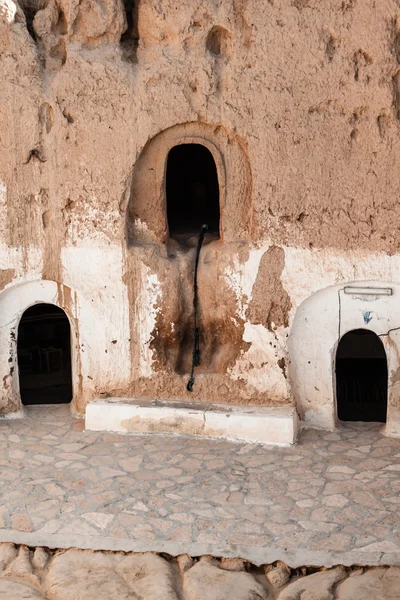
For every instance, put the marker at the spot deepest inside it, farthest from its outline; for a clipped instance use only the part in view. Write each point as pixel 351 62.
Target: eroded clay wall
pixel 309 92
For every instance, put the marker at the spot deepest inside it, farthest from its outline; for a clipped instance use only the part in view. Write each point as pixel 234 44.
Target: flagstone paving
pixel 334 494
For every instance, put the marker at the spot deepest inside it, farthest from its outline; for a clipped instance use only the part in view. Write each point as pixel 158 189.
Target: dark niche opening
pixel 44 355
pixel 30 8
pixel 192 191
pixel 130 37
pixel 361 377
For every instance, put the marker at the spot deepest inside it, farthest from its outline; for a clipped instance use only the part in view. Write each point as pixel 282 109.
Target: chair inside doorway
pixel 44 355
pixel 361 377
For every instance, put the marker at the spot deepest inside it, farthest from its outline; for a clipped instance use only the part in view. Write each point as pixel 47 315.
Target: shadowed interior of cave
pixel 192 191
pixel 361 377
pixel 44 355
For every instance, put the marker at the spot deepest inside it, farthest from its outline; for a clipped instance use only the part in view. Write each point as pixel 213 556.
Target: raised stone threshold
pixel 277 425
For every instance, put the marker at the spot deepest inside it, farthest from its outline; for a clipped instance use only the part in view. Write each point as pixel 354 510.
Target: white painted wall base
pixel 257 424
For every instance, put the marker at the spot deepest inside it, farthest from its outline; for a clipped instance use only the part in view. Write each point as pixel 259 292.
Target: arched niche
pixel 192 191
pixel 147 209
pixel 44 355
pixel 361 375
pixel 320 323
pixel 14 301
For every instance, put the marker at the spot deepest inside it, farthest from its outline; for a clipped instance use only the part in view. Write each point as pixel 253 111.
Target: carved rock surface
pixel 98 576
pixel 318 586
pixel 18 591
pixel 22 568
pixel 85 575
pixel 98 21
pixel 279 575
pixel 42 574
pixel 205 581
pixel 89 22
pixel 377 583
pixel 149 576
pixel 7 554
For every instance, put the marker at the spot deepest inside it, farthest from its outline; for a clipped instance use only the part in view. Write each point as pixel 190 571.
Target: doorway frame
pixel 319 323
pixel 14 301
pixel 146 216
pixel 219 167
pixel 71 337
pixel 219 170
pixel 335 376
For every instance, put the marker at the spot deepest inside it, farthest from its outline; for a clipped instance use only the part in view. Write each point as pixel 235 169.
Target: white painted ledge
pixel 276 425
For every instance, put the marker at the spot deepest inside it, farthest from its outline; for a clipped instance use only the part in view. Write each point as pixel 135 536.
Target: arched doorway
pixel 44 355
pixel 361 377
pixel 192 191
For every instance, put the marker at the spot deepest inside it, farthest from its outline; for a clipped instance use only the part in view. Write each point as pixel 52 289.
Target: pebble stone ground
pixel 333 495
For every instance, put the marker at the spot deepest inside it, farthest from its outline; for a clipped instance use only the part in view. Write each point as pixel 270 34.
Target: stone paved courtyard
pixel 332 499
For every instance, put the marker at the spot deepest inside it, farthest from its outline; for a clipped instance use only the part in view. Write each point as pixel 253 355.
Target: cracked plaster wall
pixel 310 92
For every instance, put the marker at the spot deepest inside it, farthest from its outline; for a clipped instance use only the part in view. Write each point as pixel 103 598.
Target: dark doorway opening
pixel 44 355
pixel 361 377
pixel 192 190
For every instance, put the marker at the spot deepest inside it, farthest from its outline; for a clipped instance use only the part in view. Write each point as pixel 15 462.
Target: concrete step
pixel 276 425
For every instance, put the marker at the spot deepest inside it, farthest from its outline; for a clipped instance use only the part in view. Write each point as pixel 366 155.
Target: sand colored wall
pixel 298 102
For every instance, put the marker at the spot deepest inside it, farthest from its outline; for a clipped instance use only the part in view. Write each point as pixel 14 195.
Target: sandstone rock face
pixel 149 576
pixel 232 564
pixel 185 562
pixel 144 576
pixel 319 586
pixel 8 553
pixel 375 583
pixel 278 575
pixel 86 575
pixel 96 570
pixel 12 589
pixel 207 581
pixel 298 104
pixel 21 568
pixel 89 22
